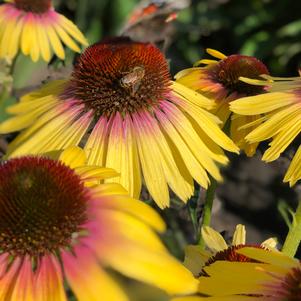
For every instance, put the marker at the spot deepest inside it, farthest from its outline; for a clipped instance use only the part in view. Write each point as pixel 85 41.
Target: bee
pixel 132 79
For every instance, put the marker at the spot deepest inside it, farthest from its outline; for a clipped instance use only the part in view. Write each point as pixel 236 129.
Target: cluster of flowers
pixel 70 180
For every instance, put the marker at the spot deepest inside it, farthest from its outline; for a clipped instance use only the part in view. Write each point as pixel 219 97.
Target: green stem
pixel 293 237
pixel 208 208
pixel 192 207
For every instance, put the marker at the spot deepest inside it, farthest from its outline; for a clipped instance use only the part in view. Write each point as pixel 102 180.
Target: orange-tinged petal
pixel 48 280
pixel 8 280
pixel 24 287
pixel 87 280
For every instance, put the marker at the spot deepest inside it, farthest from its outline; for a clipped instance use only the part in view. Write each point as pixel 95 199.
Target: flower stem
pixel 208 208
pixel 293 237
pixel 192 206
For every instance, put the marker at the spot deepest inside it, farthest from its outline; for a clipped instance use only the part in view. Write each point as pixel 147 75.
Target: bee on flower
pixel 122 106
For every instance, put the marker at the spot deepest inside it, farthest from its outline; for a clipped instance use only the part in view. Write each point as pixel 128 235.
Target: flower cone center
pixel 119 75
pixel 230 69
pixel 34 6
pixel 230 254
pixel 42 204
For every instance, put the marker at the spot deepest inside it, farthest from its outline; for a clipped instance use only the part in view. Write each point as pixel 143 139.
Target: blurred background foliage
pixel 267 29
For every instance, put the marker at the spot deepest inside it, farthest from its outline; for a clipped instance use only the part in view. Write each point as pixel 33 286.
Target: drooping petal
pixel 253 105
pixel 293 173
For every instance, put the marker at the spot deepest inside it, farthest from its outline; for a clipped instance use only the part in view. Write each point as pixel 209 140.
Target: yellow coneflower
pixel 34 27
pixel 281 121
pixel 219 80
pixel 199 261
pixel 218 249
pixel 122 106
pixel 271 276
pixel 56 224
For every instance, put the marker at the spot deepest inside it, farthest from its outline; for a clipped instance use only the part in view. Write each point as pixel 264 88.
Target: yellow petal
pixel 185 157
pixel 27 35
pixel 211 128
pixel 23 121
pixel 204 62
pixel 191 96
pixel 199 149
pixel 195 259
pixel 293 173
pixel 156 268
pixel 239 237
pixel 109 189
pixel 270 243
pixel 274 123
pixel 129 230
pixel 65 38
pixel 35 42
pixel 122 155
pixel 44 42
pixel 72 29
pixel 73 157
pixel 11 38
pixel 213 240
pixel 55 42
pixel 283 139
pixel 95 147
pixel 216 53
pixel 132 206
pixel 227 278
pixel 53 88
pixel 271 257
pixel 95 173
pixel 263 103
pixel 151 166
